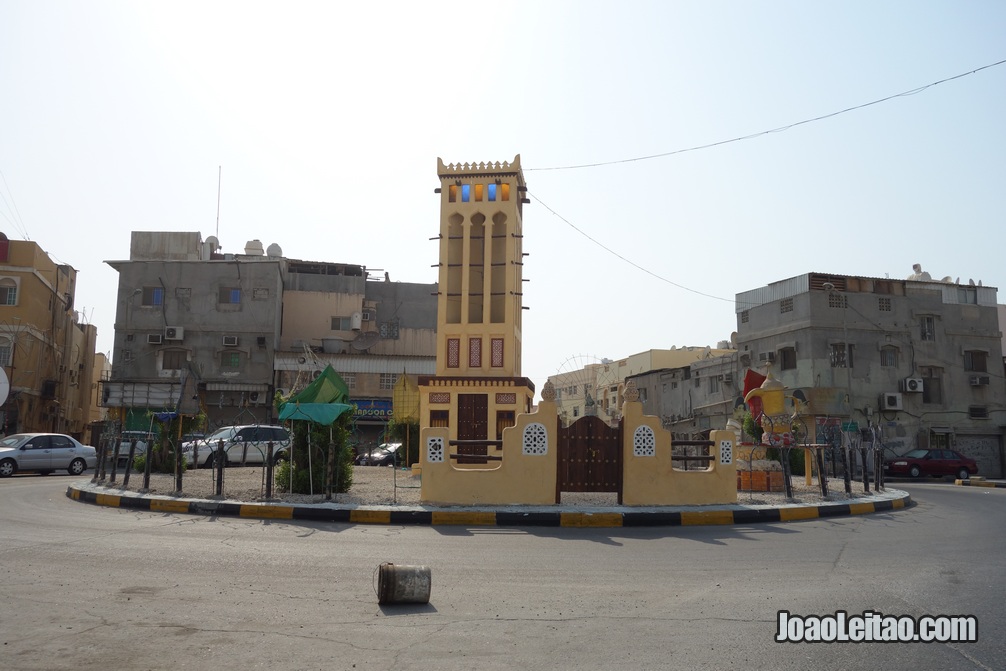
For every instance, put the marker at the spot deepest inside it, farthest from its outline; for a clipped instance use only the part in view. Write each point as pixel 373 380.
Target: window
pixel 342 323
pixel 932 388
pixel 978 412
pixel 496 345
pixel 714 384
pixel 153 296
pixel 349 379
pixel 453 352
pixel 786 305
pixel 504 418
pixel 975 361
pixel 127 355
pixel 440 418
pixel 744 317
pixel 475 352
pixel 230 359
pixel 173 359
pixel 884 304
pixel 927 327
pixel 452 193
pixel 230 295
pixel 837 301
pixel 479 190
pixel 967 295
pixel 388 380
pixel 8 292
pixel 466 193
pixel 787 358
pixel 838 355
pixel 889 356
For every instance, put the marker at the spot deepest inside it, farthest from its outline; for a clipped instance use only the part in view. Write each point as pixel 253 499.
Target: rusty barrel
pixel 400 583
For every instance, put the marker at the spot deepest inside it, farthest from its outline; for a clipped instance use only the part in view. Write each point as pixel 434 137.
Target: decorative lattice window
pixel 506 399
pixel 644 442
pixel 475 353
pixel 440 397
pixel 435 450
pixel 726 452
pixel 453 352
pixel 496 345
pixel 535 439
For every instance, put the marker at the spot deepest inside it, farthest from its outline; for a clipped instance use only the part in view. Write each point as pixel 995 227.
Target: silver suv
pixel 247 444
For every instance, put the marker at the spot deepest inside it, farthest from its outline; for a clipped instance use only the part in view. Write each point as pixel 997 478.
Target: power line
pixel 780 129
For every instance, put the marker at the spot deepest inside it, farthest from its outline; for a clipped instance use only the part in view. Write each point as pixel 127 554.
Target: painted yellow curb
pixel 267 512
pixel 468 518
pixel 590 519
pixel 168 506
pixel 791 514
pixel 108 500
pixel 370 516
pixel 707 517
pixel 861 508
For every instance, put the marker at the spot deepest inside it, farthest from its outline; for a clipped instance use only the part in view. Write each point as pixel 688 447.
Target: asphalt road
pixel 85 587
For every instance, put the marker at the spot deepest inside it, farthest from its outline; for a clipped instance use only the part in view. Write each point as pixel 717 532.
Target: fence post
pixel 866 471
pixel 845 466
pixel 129 462
pixel 822 474
pixel 99 472
pixel 218 463
pixel 269 469
pixel 330 471
pixel 178 468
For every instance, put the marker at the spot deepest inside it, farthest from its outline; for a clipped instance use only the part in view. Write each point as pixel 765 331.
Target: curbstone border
pixel 980 483
pixel 556 518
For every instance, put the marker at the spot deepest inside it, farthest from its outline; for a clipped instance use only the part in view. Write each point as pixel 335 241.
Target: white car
pixel 44 453
pixel 241 445
pixel 142 438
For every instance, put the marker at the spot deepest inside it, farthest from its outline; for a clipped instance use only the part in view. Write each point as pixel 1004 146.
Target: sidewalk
pixel 508 516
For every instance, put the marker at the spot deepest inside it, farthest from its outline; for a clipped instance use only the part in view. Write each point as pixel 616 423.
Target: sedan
pixel 935 463
pixel 384 454
pixel 44 453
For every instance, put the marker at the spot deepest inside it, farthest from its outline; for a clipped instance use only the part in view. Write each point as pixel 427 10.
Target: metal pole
pixel 129 462
pixel 269 469
pixel 218 463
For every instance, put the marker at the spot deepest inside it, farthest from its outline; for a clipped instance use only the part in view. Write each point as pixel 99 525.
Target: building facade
pixel 478 389
pixel 909 363
pixel 46 352
pixel 204 331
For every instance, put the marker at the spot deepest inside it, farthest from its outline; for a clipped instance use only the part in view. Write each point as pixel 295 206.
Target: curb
pixel 980 483
pixel 533 518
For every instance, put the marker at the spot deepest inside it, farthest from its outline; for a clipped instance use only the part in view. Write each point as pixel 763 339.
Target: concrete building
pixel 915 362
pixel 204 330
pixel 596 388
pixel 45 351
pixel 371 330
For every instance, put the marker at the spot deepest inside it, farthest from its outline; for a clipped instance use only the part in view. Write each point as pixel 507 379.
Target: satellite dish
pixel 4 386
pixel 365 340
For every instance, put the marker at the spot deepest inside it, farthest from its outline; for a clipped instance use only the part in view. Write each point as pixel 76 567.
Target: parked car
pixel 935 463
pixel 44 453
pixel 382 455
pixel 143 440
pixel 247 444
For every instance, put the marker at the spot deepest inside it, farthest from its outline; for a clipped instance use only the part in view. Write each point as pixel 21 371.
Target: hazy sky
pixel 328 117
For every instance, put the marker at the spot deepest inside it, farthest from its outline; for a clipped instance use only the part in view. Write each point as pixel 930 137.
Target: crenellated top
pixel 454 170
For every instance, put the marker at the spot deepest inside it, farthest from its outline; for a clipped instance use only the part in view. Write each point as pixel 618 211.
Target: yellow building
pixel 47 354
pixel 478 389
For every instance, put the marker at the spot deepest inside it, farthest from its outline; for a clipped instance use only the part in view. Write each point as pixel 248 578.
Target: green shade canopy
pixel 323 401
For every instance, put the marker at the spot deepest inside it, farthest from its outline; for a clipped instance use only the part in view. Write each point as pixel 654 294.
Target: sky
pixel 322 122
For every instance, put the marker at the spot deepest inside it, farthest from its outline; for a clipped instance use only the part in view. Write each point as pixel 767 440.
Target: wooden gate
pixel 473 426
pixel 590 458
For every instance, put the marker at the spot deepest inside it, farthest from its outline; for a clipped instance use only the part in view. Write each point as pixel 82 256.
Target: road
pixel 86 587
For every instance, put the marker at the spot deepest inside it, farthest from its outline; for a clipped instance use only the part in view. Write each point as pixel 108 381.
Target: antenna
pixel 220 171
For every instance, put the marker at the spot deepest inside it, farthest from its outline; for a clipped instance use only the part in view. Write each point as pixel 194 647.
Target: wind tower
pixel 478 388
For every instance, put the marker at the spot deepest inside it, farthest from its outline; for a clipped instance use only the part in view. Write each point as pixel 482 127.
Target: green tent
pixel 323 401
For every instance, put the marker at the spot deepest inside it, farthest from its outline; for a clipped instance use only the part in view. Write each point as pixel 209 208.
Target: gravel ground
pixel 383 485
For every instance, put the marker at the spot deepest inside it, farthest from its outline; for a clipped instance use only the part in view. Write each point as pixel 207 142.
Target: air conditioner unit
pixel 253 396
pixel 174 333
pixel 977 380
pixel 766 356
pixel 912 385
pixel 230 341
pixel 728 378
pixel 154 338
pixel 891 401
